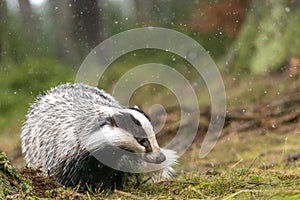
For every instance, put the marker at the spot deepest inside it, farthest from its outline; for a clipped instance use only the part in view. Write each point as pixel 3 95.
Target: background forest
pixel 256 45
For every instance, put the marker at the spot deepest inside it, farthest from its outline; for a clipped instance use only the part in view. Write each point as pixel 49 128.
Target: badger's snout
pixel 156 157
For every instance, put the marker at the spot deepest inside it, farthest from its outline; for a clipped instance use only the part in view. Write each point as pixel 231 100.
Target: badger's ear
pixel 135 108
pixel 112 120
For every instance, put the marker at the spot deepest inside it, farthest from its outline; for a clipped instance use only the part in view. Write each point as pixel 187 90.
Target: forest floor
pixel 257 156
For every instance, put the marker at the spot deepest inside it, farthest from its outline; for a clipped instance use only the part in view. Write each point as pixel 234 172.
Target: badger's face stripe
pixel 136 108
pixel 139 115
pixel 128 123
pixel 132 132
pixel 137 122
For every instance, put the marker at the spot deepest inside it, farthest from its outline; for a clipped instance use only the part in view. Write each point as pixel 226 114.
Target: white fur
pixel 114 136
pixel 147 126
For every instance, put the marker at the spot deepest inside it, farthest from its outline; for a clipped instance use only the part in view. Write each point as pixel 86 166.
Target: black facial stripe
pixel 130 124
pixel 140 111
pixel 137 122
pixel 126 149
pixel 145 143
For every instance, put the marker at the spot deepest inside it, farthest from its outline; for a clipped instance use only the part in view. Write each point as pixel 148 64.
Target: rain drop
pixel 287 9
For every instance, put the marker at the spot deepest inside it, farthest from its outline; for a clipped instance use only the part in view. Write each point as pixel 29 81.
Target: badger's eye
pixel 145 143
pixel 141 140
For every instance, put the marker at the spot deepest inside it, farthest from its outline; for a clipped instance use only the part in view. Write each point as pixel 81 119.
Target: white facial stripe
pixel 114 136
pixel 153 143
pixel 147 126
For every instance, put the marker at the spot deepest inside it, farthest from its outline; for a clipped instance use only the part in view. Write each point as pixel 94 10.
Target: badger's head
pixel 136 127
pixel 131 131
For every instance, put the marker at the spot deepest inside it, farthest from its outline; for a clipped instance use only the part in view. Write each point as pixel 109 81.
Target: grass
pixel 243 166
pixel 240 183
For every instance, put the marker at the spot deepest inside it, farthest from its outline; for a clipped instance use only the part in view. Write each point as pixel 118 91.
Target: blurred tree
pixel 63 23
pixel 28 24
pixel 225 15
pixel 143 12
pixel 3 28
pixel 269 37
pixel 78 28
pixel 88 27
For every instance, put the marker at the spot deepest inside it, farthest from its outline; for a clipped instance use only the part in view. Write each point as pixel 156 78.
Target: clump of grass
pixel 240 183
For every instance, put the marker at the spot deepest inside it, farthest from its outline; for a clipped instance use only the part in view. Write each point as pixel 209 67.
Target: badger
pixel 83 137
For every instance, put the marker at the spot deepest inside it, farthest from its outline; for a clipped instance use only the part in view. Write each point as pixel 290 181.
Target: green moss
pixel 11 181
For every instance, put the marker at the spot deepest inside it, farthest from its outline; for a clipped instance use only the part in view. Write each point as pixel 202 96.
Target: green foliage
pixel 244 46
pixel 291 36
pixel 21 83
pixel 270 46
pixel 216 44
pixel 14 47
pixel 118 22
pixel 139 57
pixel 269 37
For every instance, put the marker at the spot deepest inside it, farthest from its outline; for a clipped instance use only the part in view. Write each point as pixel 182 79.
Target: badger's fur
pixel 82 136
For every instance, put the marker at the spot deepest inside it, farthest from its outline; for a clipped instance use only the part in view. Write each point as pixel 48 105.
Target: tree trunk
pixel 3 28
pixel 143 12
pixel 89 29
pixel 28 23
pixel 64 31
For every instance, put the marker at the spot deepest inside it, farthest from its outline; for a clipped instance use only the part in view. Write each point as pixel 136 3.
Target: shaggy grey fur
pixel 58 125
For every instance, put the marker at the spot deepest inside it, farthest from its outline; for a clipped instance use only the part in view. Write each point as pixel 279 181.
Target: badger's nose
pixel 155 157
pixel 159 158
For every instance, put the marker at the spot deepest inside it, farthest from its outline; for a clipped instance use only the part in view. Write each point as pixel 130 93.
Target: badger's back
pixel 58 122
